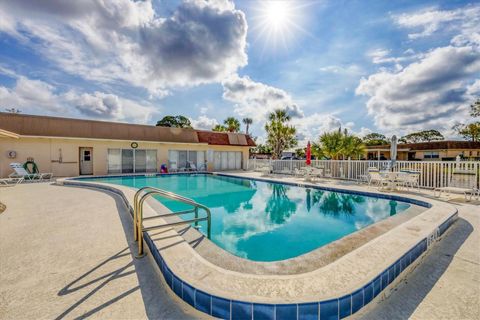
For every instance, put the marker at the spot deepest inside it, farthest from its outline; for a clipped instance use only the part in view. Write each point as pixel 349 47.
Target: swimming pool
pixel 266 221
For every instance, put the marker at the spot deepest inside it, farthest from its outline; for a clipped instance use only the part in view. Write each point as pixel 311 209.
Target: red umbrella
pixel 309 154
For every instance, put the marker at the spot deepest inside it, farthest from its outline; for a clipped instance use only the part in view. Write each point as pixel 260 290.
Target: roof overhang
pixel 377 149
pixel 8 134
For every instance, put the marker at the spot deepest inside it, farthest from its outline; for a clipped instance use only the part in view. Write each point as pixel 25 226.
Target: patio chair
pixel 21 172
pixel 265 170
pixel 327 173
pixel 461 182
pixel 173 167
pixel 202 167
pixel 318 172
pixel 299 172
pixel 410 179
pixel 192 166
pixel 284 171
pixel 376 179
pixel 364 178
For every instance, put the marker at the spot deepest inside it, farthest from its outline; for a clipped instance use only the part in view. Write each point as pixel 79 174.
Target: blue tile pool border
pixel 235 309
pixel 338 308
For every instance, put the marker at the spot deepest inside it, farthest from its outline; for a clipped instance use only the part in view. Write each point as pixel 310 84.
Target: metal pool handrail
pixel 138 219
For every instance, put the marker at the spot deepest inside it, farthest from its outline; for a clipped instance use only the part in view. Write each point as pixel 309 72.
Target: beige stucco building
pixel 72 147
pixel 428 151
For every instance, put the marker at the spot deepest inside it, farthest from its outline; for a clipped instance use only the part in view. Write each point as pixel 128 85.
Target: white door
pixel 86 160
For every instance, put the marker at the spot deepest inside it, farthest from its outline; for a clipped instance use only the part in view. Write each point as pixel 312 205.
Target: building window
pixel 86 155
pixel 132 160
pixel 431 155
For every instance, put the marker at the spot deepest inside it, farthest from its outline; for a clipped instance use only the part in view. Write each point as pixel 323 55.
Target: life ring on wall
pixel 34 166
pixel 12 154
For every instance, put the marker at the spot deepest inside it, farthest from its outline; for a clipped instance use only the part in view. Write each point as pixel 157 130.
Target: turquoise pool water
pixel 265 221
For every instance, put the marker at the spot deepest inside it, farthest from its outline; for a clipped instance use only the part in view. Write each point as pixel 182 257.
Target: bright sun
pixel 276 22
pixel 277 13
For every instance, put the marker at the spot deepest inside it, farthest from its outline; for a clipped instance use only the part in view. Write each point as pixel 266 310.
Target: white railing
pixel 433 174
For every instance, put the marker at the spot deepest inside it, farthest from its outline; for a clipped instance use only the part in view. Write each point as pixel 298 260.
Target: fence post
pixel 349 168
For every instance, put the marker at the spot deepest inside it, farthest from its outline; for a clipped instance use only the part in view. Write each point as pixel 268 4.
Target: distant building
pixel 428 151
pixel 72 147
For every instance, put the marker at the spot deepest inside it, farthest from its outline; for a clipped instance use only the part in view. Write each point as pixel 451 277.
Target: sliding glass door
pixel 183 158
pixel 131 160
pixel 127 161
pixel 227 160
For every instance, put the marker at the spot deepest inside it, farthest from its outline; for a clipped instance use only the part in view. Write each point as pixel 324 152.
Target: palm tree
pixel 352 146
pixel 331 144
pixel 280 135
pixel 219 128
pixel 338 144
pixel 247 122
pixel 232 124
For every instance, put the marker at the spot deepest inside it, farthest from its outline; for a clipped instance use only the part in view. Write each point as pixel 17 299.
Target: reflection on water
pixel 266 222
pixel 279 206
pixel 393 207
pixel 335 204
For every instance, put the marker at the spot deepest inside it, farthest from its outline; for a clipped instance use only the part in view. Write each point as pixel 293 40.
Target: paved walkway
pixel 65 253
pixel 446 285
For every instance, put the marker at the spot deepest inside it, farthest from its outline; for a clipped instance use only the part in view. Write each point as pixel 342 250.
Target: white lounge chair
pixel 202 167
pixel 21 172
pixel 172 166
pixel 461 182
pixel 11 181
pixel 192 166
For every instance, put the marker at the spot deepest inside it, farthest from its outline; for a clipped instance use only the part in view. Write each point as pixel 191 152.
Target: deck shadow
pixel 402 303
pixel 158 302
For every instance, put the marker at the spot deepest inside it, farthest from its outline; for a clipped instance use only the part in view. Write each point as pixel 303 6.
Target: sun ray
pixel 277 23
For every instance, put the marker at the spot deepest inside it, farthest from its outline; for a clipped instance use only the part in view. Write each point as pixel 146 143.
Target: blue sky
pixel 383 66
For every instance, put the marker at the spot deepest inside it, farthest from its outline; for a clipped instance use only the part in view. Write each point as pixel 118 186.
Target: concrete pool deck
pixel 57 248
pixel 67 253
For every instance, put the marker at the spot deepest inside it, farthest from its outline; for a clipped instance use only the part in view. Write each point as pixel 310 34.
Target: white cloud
pixel 257 100
pixel 378 55
pixel 312 126
pixel 430 93
pixel 351 69
pixel 434 88
pixel 473 90
pixel 28 94
pixel 364 131
pixel 38 97
pixel 465 21
pixel 108 41
pixel 98 104
pixel 382 56
pixel 203 122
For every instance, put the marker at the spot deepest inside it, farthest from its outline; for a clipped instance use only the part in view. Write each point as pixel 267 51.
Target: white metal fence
pixel 433 174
